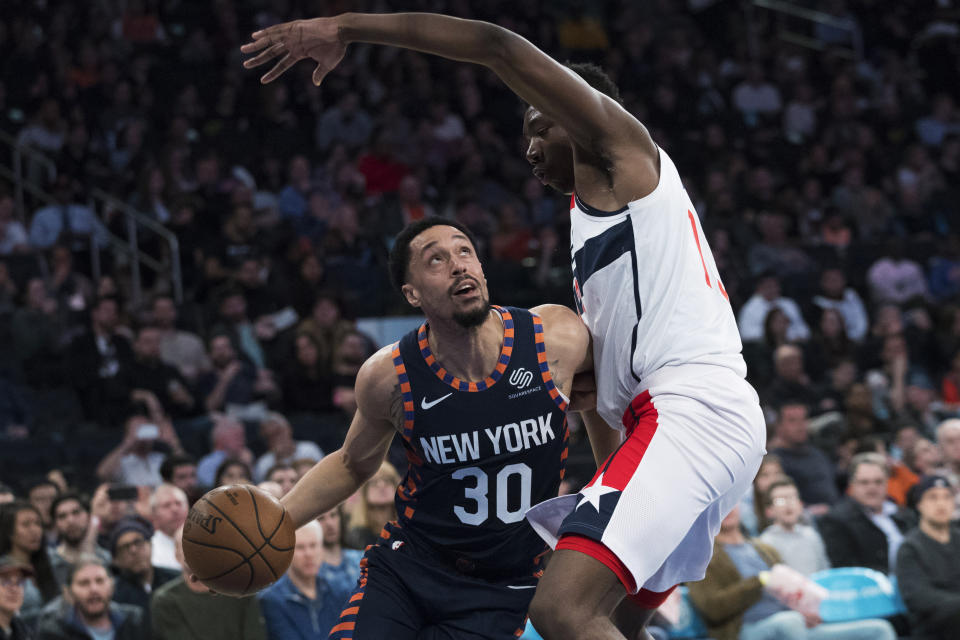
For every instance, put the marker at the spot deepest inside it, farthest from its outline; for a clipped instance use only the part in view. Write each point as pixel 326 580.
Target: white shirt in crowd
pixel 164 551
pixel 754 312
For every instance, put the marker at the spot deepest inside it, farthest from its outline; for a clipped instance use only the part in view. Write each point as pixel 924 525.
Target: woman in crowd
pixel 21 536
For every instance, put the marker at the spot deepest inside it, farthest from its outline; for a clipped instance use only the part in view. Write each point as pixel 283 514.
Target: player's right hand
pixel 317 39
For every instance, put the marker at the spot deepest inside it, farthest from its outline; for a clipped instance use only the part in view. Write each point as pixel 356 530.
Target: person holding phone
pixel 134 461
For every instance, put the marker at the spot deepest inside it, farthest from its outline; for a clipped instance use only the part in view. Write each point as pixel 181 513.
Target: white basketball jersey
pixel 647 287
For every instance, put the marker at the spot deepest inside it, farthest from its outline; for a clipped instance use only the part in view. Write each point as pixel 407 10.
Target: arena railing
pixel 787 11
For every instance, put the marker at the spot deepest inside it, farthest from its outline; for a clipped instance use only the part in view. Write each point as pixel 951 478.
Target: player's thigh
pixel 383 605
pixel 576 586
pixel 476 610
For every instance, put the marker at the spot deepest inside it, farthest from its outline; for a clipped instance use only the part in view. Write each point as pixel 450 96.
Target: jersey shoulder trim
pixel 405 390
pixel 555 394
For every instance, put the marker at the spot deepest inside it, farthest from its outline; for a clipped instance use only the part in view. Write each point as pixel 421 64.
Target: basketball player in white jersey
pixel 669 374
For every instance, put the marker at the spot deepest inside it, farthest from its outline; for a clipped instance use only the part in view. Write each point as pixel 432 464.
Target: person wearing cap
pixel 136 577
pixel 928 563
pixel 13 573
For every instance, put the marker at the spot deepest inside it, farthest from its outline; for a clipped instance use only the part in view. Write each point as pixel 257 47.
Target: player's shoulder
pixel 562 328
pixel 377 372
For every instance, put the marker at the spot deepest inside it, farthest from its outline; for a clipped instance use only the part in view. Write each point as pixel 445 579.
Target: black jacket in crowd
pixel 852 540
pixel 928 575
pixel 129 623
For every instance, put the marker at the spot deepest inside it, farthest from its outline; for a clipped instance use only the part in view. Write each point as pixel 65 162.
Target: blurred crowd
pixel 827 181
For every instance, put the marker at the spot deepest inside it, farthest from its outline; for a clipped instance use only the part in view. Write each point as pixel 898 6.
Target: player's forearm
pixel 603 439
pixel 445 36
pixel 327 484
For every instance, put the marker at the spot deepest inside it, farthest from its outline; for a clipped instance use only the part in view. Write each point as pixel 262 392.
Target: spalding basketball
pixel 238 539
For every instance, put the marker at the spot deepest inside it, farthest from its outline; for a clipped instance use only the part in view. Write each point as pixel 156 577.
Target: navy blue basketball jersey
pixel 481 453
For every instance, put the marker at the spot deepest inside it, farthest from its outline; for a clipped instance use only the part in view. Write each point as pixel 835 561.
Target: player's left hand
pixel 317 39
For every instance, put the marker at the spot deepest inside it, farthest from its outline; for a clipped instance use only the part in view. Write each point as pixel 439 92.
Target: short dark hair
pixel 67 497
pixel 597 78
pixel 173 461
pixel 400 253
pixel 41 482
pixel 280 466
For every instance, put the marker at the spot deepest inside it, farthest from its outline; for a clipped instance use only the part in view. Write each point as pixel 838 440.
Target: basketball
pixel 238 539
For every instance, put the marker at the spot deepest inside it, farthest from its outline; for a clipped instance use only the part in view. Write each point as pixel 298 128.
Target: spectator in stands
pixel 96 359
pixel 137 577
pixel 75 535
pixel 13 577
pixel 806 465
pixel 233 320
pixel 327 326
pixel 753 511
pixel 21 536
pixel 865 529
pixel 790 381
pixel 233 471
pixel 766 296
pixel 150 373
pixel 895 278
pixel 341 565
pixel 181 349
pixel 948 439
pixel 6 494
pixel 13 235
pixel 755 96
pixel 228 440
pixel 799 544
pixel 277 434
pixel 829 345
pixel 293 197
pixel 922 457
pixel 66 221
pixel 180 470
pixel 232 380
pixel 134 461
pixel 168 509
pixel 735 606
pixel 283 475
pixel 41 494
pixel 306 382
pixel 301 605
pixel 928 563
pixel 47 130
pixel 185 610
pixel 35 331
pixel 374 507
pixel 345 122
pixel 87 610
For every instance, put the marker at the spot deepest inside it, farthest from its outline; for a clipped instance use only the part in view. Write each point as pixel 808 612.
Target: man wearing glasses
pixel 136 577
pixel 12 574
pixel 866 529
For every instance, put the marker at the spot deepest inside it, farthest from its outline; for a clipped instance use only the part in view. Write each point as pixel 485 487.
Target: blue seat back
pixel 856 594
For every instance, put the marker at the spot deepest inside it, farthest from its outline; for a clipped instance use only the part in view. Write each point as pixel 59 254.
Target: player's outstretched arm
pixel 594 121
pixel 338 475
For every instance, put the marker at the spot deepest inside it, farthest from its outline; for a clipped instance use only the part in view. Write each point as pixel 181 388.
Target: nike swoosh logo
pixel 426 405
pixel 521 586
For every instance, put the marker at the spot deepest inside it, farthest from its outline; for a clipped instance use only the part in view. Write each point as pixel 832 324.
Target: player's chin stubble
pixel 473 318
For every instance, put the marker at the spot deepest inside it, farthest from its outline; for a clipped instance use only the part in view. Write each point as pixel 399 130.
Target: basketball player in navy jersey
pixel 479 396
pixel 669 372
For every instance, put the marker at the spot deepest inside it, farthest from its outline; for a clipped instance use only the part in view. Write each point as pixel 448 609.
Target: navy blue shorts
pixel 408 593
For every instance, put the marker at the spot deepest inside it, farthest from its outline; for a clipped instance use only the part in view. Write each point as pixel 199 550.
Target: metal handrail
pixel 134 220
pixel 16 160
pixel 784 7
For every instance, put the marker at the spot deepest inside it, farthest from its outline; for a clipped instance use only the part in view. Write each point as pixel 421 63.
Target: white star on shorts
pixel 592 493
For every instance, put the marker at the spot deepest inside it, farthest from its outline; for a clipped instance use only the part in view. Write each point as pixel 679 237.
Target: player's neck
pixel 333 554
pixel 938 531
pixel 469 354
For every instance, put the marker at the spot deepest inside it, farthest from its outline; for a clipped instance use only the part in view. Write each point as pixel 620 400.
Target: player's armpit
pixel 566 337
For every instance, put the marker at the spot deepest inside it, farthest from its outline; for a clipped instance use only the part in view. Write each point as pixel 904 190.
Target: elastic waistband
pixel 678 374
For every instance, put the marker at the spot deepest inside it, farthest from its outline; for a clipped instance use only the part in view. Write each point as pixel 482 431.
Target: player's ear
pixel 411 294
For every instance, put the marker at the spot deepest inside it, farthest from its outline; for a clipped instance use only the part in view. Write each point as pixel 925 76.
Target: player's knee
pixel 556 618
